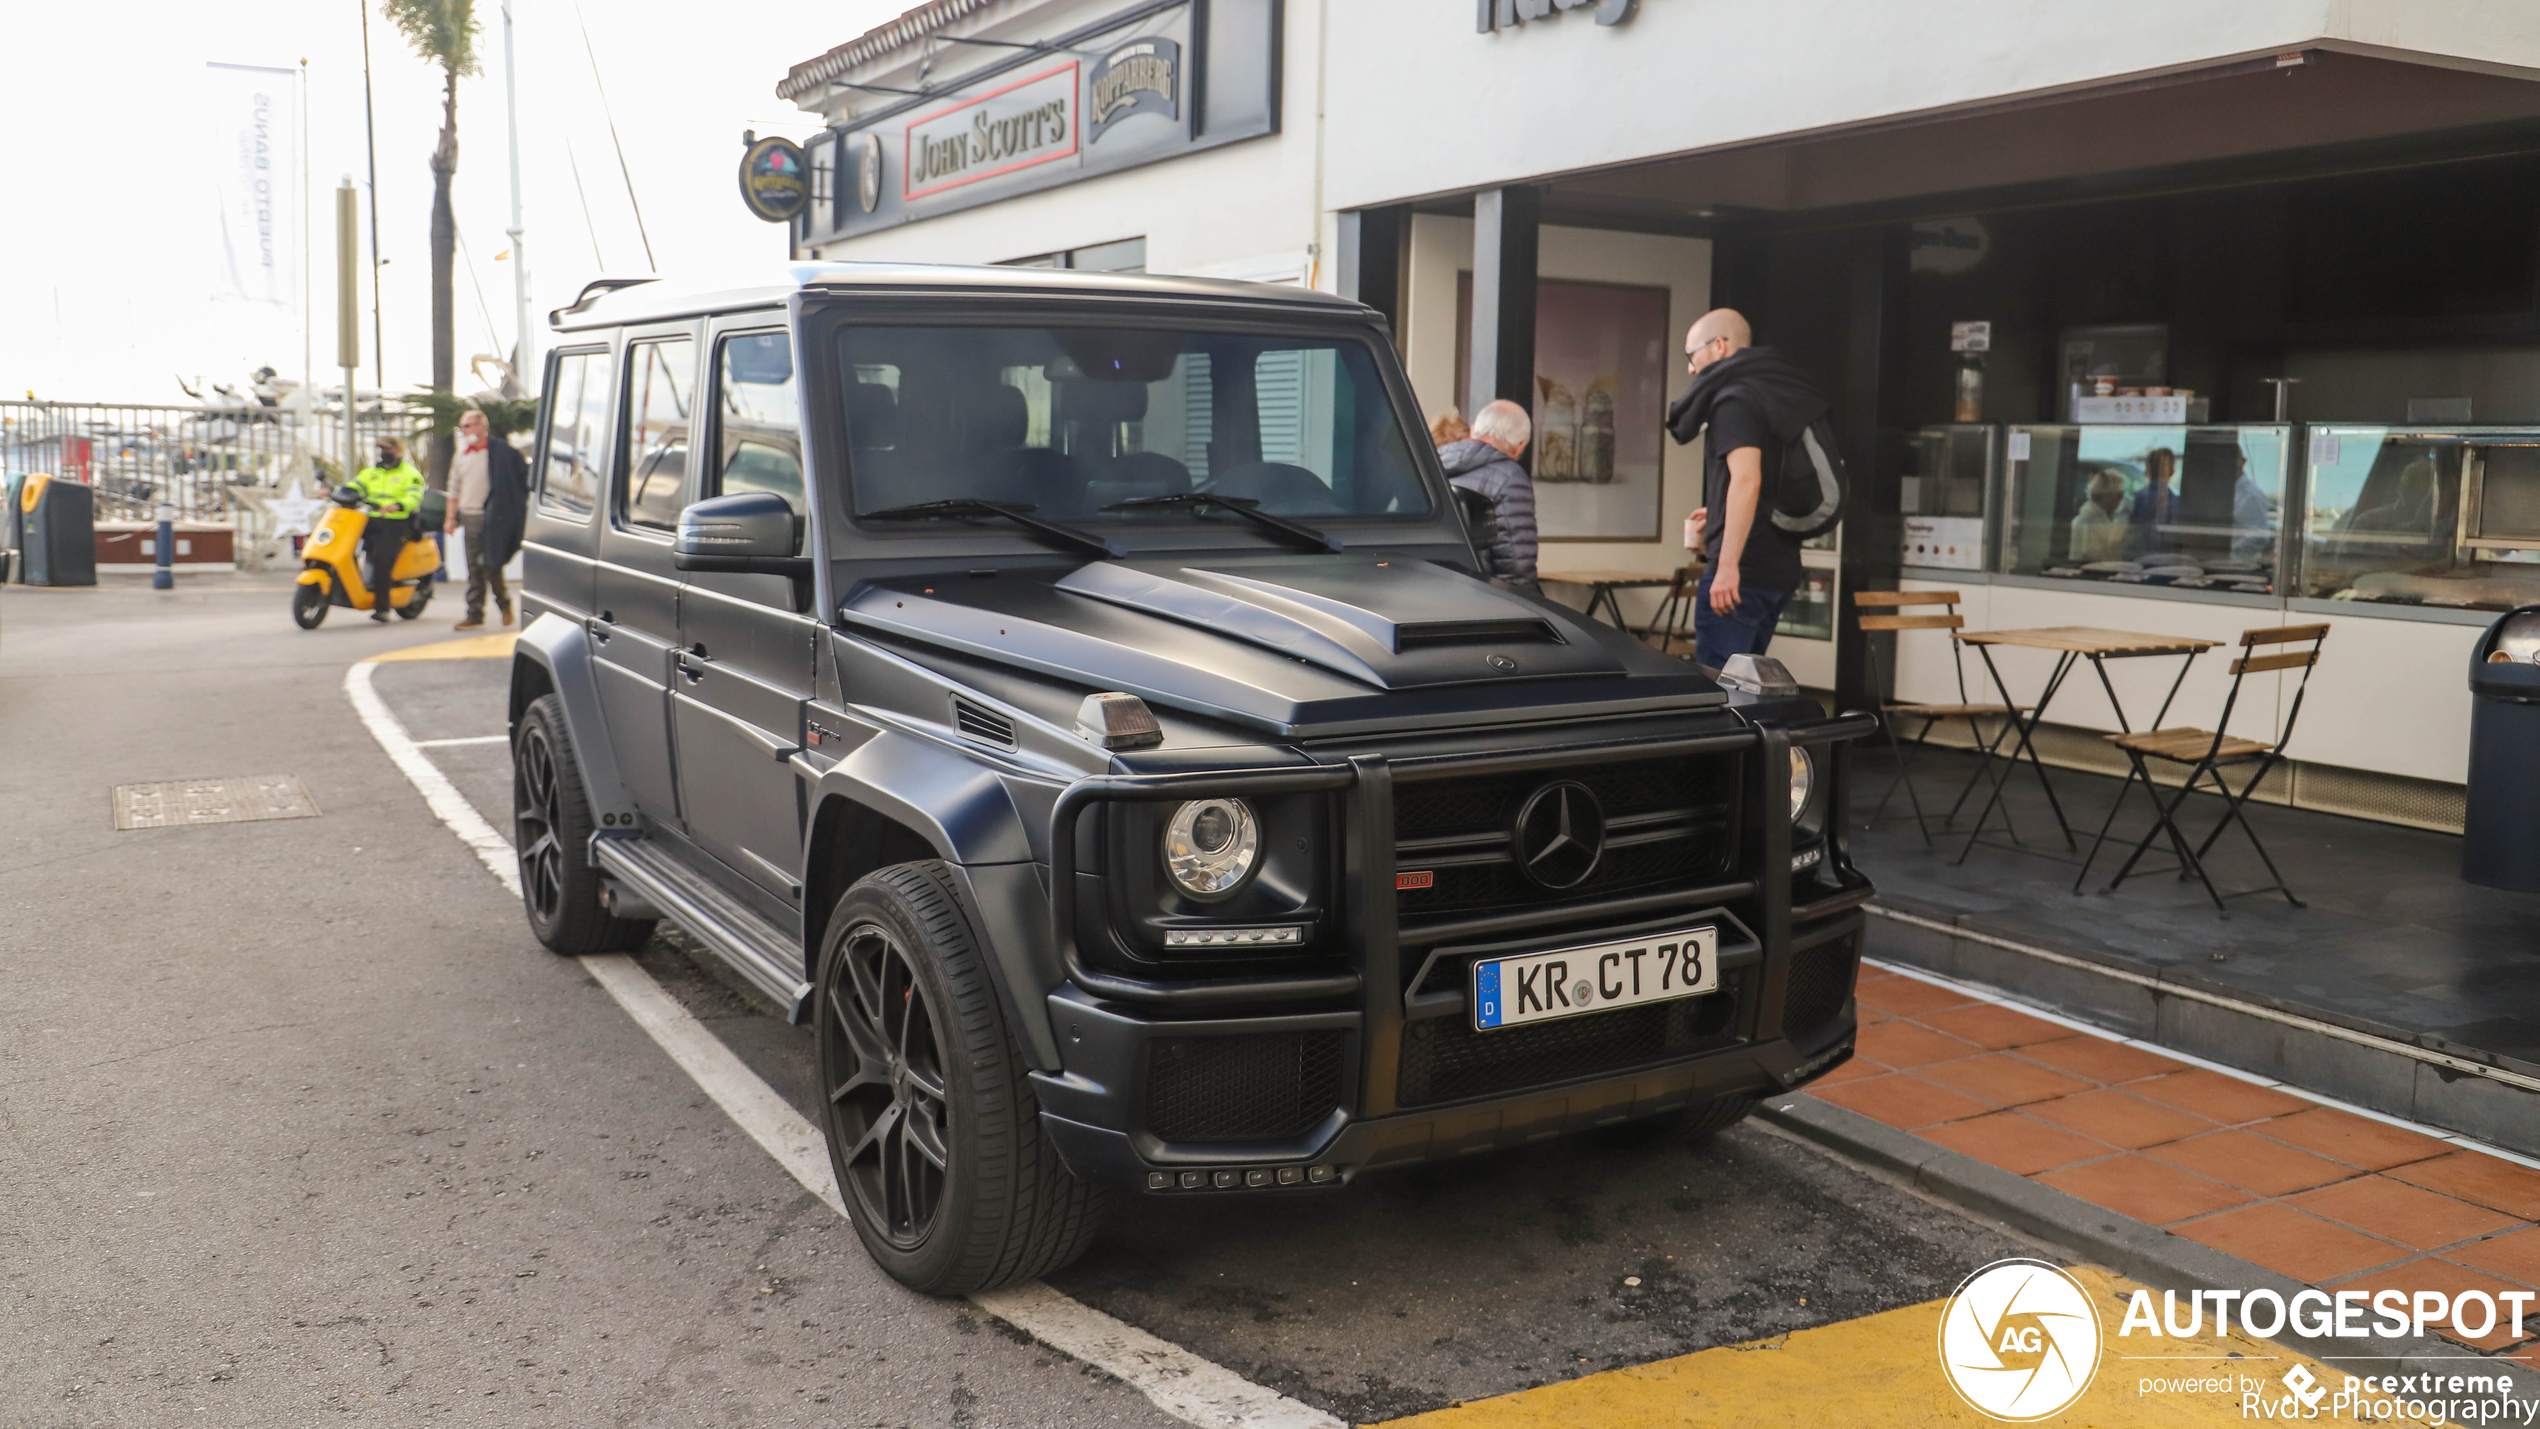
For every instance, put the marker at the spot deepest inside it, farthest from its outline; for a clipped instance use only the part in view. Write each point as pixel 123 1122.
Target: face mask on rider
pixel 387 458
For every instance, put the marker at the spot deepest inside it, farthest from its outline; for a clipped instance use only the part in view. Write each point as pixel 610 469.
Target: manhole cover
pixel 212 801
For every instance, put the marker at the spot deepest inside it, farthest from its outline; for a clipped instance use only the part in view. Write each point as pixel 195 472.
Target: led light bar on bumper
pixel 1233 937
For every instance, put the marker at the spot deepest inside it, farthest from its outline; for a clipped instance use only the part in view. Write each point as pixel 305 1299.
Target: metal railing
pixel 203 463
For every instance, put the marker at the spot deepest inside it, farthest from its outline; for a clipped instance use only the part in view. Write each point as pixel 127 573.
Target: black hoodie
pixel 1762 399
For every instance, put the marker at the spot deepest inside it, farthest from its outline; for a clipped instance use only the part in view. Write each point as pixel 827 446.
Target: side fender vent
pixel 982 724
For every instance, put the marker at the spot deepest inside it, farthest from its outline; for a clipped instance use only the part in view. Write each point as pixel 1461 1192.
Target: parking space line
pixel 469 739
pixel 1192 1389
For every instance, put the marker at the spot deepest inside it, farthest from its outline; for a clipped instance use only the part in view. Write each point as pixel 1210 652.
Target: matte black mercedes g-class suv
pixel 1072 695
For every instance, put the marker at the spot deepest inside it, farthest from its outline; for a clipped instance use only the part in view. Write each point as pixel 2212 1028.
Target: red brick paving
pixel 2320 1194
pixel 2273 1234
pixel 2145 1189
pixel 2252 1163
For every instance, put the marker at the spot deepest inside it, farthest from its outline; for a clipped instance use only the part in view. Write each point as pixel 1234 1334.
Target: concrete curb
pixel 2122 1244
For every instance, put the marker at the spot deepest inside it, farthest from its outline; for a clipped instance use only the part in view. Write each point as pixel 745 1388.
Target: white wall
pixel 1432 107
pixel 1442 247
pixel 2390 695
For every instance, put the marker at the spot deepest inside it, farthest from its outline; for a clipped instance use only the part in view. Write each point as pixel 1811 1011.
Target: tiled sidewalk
pixel 2341 1201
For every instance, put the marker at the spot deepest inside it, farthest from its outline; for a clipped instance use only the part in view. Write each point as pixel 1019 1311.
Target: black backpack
pixel 1809 498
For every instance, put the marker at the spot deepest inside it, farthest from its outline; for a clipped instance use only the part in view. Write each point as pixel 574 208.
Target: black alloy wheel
pixel 534 820
pixel 889 1113
pixel 551 831
pixel 934 1135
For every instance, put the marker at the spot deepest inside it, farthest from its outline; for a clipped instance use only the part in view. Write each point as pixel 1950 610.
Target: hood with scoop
pixel 1286 642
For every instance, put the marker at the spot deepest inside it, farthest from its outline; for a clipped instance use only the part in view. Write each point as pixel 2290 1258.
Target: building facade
pixel 2183 320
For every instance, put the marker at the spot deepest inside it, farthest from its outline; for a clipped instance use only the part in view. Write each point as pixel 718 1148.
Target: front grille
pixel 1820 984
pixel 1669 821
pixel 1266 1087
pixel 1445 1060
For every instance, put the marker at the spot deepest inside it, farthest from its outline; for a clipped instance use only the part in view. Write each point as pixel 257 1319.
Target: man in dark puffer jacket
pixel 1486 462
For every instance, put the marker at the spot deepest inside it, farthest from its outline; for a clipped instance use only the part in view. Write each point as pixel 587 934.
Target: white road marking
pixel 471 739
pixel 446 802
pixel 1176 1381
pixel 1179 1382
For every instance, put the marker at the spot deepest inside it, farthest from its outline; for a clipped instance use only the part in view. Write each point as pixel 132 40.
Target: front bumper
pixel 1153 1094
pixel 1096 1113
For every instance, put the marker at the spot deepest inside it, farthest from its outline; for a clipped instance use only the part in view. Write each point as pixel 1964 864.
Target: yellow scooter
pixel 331 573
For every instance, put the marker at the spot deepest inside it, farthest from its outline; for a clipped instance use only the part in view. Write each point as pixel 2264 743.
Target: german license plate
pixel 1599 977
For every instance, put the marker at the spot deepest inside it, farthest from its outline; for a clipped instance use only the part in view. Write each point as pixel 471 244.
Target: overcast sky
pixel 106 260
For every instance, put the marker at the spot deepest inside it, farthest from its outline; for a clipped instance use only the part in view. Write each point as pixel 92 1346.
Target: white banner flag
pixel 254 131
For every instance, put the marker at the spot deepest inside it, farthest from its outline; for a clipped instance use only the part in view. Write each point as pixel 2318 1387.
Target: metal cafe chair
pixel 2208 753
pixel 1975 713
pixel 1675 613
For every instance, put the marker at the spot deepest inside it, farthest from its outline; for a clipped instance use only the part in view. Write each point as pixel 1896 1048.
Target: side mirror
pixel 753 533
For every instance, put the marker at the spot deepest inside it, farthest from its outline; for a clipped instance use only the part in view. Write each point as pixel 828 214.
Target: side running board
pixel 757 949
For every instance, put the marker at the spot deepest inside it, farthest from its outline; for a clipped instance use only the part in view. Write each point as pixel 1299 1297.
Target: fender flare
pixel 561 650
pixel 963 811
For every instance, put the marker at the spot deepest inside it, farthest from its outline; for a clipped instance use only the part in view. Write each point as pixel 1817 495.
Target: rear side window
pixel 568 475
pixel 660 381
pixel 759 419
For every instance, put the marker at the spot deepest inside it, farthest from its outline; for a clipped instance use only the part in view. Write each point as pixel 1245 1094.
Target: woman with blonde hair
pixel 1448 429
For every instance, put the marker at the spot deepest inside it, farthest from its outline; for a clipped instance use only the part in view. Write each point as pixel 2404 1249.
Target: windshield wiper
pixel 1019 512
pixel 1243 506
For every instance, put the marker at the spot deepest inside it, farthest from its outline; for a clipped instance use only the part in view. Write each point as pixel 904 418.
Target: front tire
pixel 308 605
pixel 551 829
pixel 934 1134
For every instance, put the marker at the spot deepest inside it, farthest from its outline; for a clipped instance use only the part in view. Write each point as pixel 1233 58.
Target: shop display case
pixel 2146 506
pixel 2446 517
pixel 1947 496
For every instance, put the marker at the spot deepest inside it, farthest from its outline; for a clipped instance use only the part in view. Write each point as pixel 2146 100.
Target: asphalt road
pixel 297 1121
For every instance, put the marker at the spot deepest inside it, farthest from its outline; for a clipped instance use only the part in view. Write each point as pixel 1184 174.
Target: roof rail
pixel 592 291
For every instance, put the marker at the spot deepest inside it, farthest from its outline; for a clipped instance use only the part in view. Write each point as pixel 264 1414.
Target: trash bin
pixel 10 523
pixel 2500 838
pixel 60 533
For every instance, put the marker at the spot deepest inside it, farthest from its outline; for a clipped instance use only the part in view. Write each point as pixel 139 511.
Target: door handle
pixel 598 626
pixel 692 663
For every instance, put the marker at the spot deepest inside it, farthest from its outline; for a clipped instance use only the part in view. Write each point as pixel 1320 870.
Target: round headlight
pixel 1803 780
pixel 1210 845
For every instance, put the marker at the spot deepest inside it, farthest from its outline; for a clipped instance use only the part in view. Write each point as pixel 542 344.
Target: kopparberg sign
pixel 2021 1341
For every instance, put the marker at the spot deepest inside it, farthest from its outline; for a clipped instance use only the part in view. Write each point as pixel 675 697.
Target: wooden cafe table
pixel 2072 644
pixel 1603 584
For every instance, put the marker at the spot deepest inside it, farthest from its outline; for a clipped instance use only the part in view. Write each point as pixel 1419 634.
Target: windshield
pixel 1071 420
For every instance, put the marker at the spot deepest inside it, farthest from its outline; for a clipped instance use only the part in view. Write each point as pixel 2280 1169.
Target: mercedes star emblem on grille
pixel 1559 834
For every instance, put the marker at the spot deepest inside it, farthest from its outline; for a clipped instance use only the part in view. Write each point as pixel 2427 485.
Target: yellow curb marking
pixel 469 647
pixel 1881 1370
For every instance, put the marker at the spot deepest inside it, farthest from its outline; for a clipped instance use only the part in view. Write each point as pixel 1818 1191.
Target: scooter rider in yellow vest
pixel 393 492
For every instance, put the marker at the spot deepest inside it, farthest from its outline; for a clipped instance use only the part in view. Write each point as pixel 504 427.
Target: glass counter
pixel 2182 507
pixel 2420 515
pixel 1946 496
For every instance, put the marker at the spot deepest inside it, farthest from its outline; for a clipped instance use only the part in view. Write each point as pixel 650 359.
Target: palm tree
pixel 442 32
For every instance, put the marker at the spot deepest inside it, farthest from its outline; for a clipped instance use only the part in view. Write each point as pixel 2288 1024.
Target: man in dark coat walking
pixel 489 501
pixel 1486 462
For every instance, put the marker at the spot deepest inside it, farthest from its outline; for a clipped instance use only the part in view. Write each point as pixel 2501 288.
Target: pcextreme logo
pixel 2019 1340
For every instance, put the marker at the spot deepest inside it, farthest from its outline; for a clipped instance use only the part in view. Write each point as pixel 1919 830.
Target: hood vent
pixel 1430 634
pixel 982 724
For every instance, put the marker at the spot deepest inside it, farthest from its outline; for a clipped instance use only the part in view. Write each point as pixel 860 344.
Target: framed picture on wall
pixel 1599 402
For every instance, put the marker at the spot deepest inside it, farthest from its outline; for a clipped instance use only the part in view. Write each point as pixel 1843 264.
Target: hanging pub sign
pixel 1109 95
pixel 775 182
pixel 1141 77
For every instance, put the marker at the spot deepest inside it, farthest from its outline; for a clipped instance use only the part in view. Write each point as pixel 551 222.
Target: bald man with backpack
pixel 1771 479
